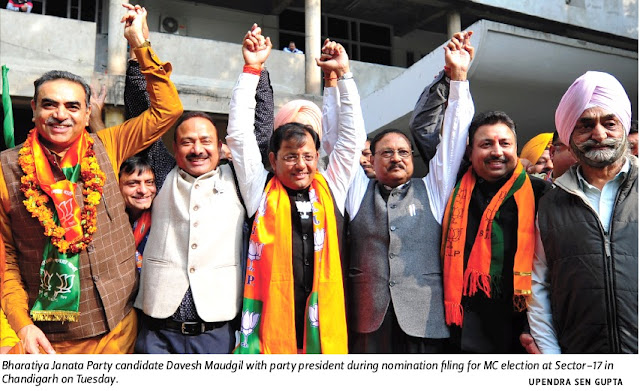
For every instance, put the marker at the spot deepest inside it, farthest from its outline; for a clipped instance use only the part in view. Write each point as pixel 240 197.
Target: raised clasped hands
pixel 255 47
pixel 334 59
pixel 458 54
pixel 135 24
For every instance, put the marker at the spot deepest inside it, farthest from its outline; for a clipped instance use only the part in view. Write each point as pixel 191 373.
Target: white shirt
pixel 443 168
pixel 347 129
pixel 603 201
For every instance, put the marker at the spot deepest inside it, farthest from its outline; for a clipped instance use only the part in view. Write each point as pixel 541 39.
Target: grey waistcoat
pixel 395 249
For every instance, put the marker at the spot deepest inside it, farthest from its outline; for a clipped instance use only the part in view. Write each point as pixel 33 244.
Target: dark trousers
pixel 390 339
pixel 154 341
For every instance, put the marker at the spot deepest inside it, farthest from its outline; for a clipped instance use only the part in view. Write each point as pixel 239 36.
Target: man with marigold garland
pixel 70 277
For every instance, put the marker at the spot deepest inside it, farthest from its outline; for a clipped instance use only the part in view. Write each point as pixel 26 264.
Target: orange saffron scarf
pixel 268 315
pixel 484 266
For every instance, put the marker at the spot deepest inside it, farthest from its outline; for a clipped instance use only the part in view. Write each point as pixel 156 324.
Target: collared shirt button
pixel 192 270
pixel 391 255
pixel 196 207
pixel 304 237
pixel 197 186
pixel 393 228
pixel 392 283
pixel 96 278
pixel 194 246
pixel 195 224
pixel 392 206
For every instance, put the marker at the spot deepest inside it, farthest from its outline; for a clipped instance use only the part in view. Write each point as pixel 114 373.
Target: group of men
pixel 234 257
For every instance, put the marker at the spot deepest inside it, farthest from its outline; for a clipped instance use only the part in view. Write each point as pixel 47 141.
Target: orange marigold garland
pixel 36 202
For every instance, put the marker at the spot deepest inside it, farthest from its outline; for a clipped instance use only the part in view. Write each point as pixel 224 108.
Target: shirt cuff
pixel 147 58
pixel 458 88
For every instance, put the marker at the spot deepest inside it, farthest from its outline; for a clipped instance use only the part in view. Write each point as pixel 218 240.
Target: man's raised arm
pixel 138 133
pixel 344 158
pixel 241 139
pixel 457 118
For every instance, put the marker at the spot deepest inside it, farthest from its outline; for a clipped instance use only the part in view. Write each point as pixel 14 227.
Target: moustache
pixel 496 159
pixel 197 156
pixel 591 144
pixel 396 165
pixel 52 122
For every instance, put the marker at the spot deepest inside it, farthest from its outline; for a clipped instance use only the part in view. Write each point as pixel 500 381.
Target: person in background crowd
pixel 225 154
pixel 536 151
pixel 365 161
pixel 291 48
pixel 20 5
pixel 632 138
pixel 138 188
pixel 561 156
pixel 585 274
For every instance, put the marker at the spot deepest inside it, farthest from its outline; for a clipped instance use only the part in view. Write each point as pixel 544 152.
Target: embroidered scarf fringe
pixel 56 316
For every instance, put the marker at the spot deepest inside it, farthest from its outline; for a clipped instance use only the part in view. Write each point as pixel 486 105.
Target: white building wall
pixel 204 70
pixel 419 42
pixel 618 17
pixel 70 46
pixel 209 22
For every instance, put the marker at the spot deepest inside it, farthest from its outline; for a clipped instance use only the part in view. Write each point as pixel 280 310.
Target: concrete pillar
pixel 313 40
pixel 117 45
pixel 116 58
pixel 454 24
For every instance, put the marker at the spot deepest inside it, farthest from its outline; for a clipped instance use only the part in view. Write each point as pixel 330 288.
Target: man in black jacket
pixel 585 276
pixel 486 321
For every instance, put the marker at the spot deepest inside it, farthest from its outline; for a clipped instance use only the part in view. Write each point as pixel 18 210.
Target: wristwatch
pixel 346 75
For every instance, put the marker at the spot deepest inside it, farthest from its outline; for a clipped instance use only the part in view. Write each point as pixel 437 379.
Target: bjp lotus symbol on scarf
pixel 249 322
pixel 254 253
pixel 66 213
pixel 66 283
pixel 318 239
pixel 313 315
pixel 454 236
pixel 45 284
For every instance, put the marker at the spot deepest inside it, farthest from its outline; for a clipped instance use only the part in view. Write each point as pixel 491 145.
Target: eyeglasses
pixel 389 153
pixel 293 158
